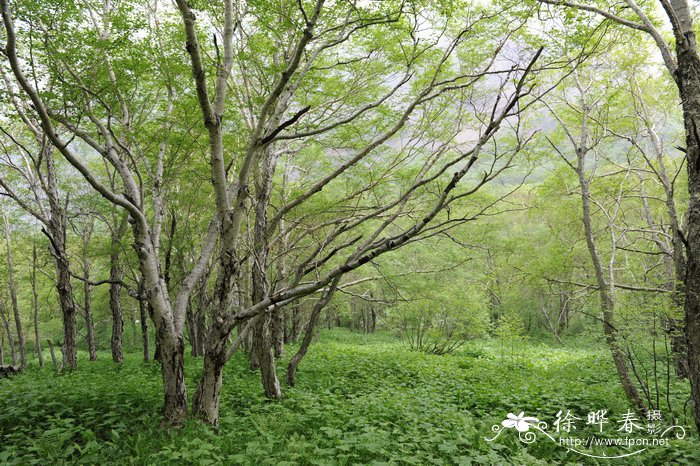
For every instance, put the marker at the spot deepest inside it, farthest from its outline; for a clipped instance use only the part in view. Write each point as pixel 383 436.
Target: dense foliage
pixel 361 399
pixel 486 208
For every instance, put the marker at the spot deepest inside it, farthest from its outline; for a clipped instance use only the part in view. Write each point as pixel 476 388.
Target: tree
pixel 13 295
pixel 682 66
pixel 38 168
pixel 275 126
pixel 35 305
pixel 585 140
pixel 117 152
pixel 339 135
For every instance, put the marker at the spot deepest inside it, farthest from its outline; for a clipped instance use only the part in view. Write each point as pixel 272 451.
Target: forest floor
pixel 359 399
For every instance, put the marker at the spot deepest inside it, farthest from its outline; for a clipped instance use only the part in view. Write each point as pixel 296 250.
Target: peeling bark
pixel 116 274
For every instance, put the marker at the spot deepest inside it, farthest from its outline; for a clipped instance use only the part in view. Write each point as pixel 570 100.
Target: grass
pixel 359 399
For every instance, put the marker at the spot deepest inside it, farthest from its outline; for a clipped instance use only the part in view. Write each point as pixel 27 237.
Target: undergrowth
pixel 359 399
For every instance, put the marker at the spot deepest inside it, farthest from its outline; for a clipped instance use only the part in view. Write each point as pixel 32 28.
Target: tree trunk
pixel 201 330
pixel 87 304
pixel 278 332
pixel 116 273
pixel 268 370
pixel 172 365
pixel 205 403
pixel 143 318
pixel 117 318
pixel 192 331
pixel 53 354
pixel 168 331
pixel 196 318
pixel 13 297
pixel 35 304
pixel 688 82
pixel 309 334
pixel 65 294
pixel 607 304
pixel 263 351
pixel 255 346
pixel 295 331
pixel 8 332
pixel 57 236
pixel 171 350
pixel 156 353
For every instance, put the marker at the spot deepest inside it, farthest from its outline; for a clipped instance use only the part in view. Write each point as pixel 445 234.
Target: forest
pixel 348 232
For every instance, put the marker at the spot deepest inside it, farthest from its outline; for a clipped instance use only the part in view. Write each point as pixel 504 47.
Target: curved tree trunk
pixel 607 304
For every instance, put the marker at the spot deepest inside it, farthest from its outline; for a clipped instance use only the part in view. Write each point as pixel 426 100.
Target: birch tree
pixel 681 60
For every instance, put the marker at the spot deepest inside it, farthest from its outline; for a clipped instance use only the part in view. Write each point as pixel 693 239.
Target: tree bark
pixel 86 235
pixel 278 332
pixel 169 340
pixel 688 82
pixel 87 307
pixel 266 358
pixel 143 318
pixel 8 332
pixel 205 403
pixel 172 365
pixel 309 334
pixel 13 297
pixel 35 304
pixel 296 317
pixel 264 333
pixel 196 323
pixel 57 235
pixel 53 354
pixel 607 304
pixel 116 274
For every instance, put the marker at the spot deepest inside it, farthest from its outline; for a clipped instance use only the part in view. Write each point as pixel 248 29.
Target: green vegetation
pixel 349 231
pixel 360 399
